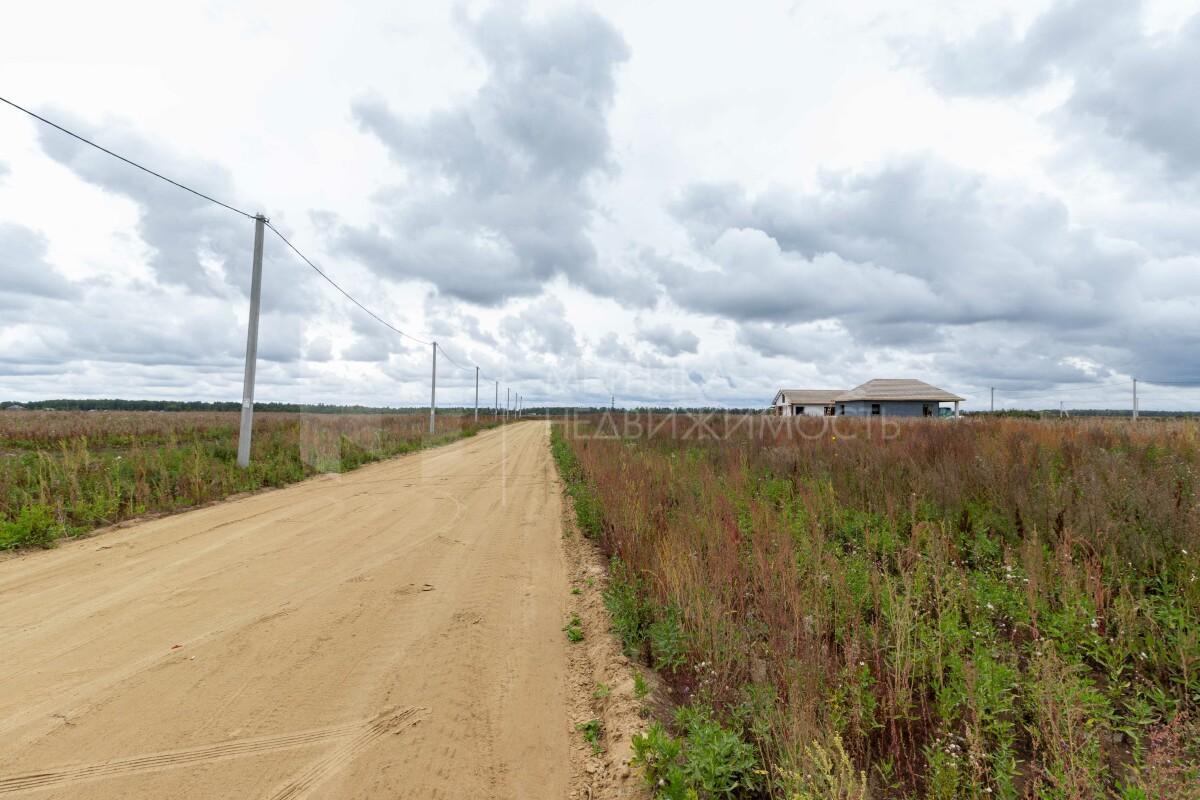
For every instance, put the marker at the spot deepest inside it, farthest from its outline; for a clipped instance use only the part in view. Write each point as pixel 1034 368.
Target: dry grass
pixel 989 608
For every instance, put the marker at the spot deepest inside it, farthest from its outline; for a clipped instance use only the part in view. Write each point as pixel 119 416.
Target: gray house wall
pixel 810 410
pixel 888 408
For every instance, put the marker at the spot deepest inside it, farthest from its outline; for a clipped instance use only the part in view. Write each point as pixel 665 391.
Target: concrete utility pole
pixel 477 394
pixel 433 390
pixel 507 402
pixel 496 408
pixel 243 455
pixel 1135 408
pixel 993 399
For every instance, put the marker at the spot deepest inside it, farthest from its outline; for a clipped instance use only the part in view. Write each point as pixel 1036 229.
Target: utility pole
pixel 614 402
pixel 507 402
pixel 243 455
pixel 993 399
pixel 477 394
pixel 496 408
pixel 433 390
pixel 1135 408
pixel 1061 412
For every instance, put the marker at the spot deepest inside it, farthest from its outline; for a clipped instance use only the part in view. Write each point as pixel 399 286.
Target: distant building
pixel 806 402
pixel 891 397
pixel 14 407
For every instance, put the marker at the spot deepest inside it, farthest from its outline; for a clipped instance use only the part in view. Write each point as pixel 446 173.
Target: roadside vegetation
pixel 993 608
pixel 66 473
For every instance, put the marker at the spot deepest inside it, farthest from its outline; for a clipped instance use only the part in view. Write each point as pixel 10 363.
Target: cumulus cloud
pixel 185 232
pixel 24 270
pixel 499 198
pixel 1129 90
pixel 194 244
pixel 930 259
pixel 668 340
pixel 915 242
pixel 810 343
pixel 611 348
pixel 541 327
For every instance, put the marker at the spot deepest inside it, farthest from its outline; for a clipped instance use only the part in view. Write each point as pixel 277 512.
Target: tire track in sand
pixel 363 732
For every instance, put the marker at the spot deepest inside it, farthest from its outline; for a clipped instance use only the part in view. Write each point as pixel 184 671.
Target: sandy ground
pixel 394 632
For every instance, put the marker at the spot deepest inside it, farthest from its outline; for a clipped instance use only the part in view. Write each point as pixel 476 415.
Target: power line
pixel 451 360
pixel 349 296
pixel 130 162
pixel 236 210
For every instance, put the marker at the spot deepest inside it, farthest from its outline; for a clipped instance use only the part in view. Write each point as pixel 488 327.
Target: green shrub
pixel 631 613
pixel 574 629
pixel 706 761
pixel 668 643
pixel 35 526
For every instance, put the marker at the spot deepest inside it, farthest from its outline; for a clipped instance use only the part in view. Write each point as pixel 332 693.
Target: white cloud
pixel 585 202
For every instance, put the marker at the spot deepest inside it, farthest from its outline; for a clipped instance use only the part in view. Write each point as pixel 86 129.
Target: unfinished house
pixel 892 397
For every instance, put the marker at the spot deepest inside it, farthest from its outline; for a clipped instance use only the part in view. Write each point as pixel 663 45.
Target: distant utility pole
pixel 243 455
pixel 496 408
pixel 1061 411
pixel 993 399
pixel 433 390
pixel 477 394
pixel 1135 408
pixel 614 402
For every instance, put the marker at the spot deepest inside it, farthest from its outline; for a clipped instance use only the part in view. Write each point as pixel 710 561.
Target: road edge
pixel 600 676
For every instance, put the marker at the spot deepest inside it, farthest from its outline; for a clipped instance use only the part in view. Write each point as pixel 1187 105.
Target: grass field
pixel 65 473
pixel 992 608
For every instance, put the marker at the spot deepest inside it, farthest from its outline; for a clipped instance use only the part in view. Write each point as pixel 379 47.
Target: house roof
pixel 812 397
pixel 896 389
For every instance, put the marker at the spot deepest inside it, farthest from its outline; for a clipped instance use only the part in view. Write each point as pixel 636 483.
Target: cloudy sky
pixel 673 202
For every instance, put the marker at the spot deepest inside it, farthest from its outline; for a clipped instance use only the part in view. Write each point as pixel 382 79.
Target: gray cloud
pixel 499 200
pixel 541 328
pixel 24 270
pixel 667 340
pixel 448 321
pixel 611 348
pixel 183 230
pixel 926 258
pixel 1130 91
pixel 916 242
pixel 809 343
pixel 195 244
pixel 319 350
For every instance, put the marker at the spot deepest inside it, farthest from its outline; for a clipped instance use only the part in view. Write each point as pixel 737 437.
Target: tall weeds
pixel 989 608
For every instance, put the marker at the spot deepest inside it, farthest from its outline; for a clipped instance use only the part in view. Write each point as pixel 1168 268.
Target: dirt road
pixel 394 632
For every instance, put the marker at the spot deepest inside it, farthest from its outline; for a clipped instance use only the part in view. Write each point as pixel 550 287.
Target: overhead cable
pixel 128 161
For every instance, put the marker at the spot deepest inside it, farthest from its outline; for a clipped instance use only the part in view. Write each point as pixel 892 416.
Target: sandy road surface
pixel 392 632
